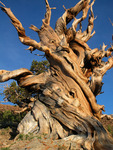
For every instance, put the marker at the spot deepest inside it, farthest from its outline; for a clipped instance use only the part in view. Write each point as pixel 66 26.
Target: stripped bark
pixel 66 105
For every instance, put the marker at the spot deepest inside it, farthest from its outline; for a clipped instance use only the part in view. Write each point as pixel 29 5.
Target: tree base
pixel 40 121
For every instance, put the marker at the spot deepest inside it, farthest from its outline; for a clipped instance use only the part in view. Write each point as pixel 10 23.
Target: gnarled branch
pixel 21 32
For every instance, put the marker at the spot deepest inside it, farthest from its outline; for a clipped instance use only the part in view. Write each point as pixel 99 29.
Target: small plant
pixel 26 137
pixel 110 129
pixel 2 133
pixel 29 136
pixel 45 134
pixel 62 147
pixel 39 137
pixel 5 148
pixel 7 129
pixel 20 137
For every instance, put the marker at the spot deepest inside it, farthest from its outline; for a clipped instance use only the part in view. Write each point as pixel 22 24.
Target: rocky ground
pixel 9 140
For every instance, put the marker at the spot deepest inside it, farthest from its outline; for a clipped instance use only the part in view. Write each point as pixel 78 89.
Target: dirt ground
pixel 9 140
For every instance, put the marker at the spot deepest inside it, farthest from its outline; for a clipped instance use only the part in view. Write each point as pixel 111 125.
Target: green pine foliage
pixel 13 93
pixel 110 129
pixel 39 67
pixel 9 118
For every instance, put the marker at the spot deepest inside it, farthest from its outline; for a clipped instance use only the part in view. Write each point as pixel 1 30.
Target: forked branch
pixel 99 67
pixel 70 14
pixel 48 13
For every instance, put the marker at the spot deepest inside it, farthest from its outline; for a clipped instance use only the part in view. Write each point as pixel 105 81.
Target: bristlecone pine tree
pixel 66 106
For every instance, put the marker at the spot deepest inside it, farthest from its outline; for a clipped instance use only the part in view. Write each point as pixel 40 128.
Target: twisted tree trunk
pixel 66 105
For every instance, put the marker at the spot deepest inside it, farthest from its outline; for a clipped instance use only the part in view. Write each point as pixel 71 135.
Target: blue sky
pixel 13 54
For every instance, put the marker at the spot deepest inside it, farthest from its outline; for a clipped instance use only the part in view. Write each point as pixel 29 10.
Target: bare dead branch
pixel 6 75
pixel 31 48
pixel 99 67
pixel 97 76
pixel 77 21
pixel 86 35
pixel 21 32
pixel 69 14
pixel 48 13
pixel 34 28
pixel 2 3
pixel 110 21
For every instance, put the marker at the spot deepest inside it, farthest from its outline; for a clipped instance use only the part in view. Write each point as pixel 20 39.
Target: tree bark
pixel 66 105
